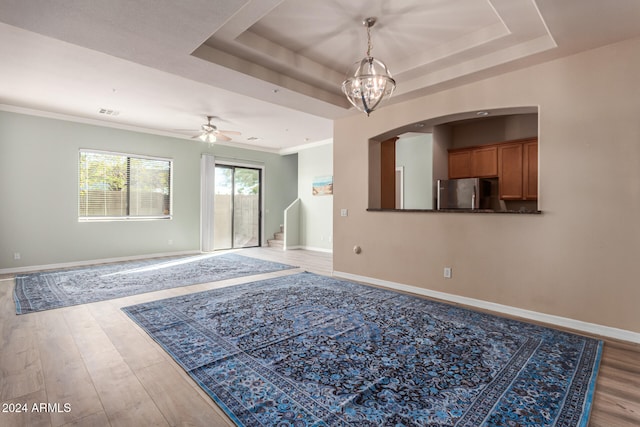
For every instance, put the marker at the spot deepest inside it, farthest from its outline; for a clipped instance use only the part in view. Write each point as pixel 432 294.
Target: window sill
pixel 118 219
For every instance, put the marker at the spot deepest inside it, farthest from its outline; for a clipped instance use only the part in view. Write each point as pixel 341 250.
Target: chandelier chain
pixel 369 45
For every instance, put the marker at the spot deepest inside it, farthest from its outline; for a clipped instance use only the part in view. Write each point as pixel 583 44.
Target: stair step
pixel 279 235
pixel 274 243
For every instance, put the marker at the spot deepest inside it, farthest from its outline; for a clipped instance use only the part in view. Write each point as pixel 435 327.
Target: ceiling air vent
pixel 108 112
pixel 253 138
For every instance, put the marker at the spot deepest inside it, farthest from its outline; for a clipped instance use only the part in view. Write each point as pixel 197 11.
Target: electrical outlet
pixel 170 242
pixel 344 212
pixel 16 256
pixel 447 272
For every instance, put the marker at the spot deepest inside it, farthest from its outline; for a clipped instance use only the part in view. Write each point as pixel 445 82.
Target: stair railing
pixel 292 225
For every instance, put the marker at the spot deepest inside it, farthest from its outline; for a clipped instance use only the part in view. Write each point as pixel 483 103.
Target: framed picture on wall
pixel 322 185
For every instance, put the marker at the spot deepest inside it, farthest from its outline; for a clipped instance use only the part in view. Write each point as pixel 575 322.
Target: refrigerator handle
pixel 473 198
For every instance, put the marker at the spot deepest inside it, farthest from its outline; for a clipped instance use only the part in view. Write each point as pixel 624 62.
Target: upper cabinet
pixel 484 161
pixel 514 163
pixel 459 164
pixel 530 172
pixel 510 171
pixel 473 162
pixel 518 170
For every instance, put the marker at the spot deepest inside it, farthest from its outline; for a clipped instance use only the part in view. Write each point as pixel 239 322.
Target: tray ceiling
pixel 308 46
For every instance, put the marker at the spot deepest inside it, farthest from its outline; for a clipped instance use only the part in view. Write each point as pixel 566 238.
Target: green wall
pixel 316 220
pixel 38 184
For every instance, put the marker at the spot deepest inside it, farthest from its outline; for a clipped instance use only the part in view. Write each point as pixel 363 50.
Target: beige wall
pixel 493 129
pixel 580 259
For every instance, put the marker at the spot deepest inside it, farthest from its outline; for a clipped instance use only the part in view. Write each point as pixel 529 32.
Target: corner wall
pixel 578 259
pixel 316 223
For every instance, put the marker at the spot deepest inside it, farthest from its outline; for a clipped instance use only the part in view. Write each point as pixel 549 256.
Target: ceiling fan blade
pixel 230 132
pixel 222 137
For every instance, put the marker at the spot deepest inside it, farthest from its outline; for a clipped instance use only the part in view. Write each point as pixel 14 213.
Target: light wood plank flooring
pixel 107 371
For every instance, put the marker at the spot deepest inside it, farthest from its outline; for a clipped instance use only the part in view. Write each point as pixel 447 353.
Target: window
pixel 115 186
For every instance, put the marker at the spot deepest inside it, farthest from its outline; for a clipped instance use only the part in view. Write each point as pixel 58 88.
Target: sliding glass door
pixel 237 200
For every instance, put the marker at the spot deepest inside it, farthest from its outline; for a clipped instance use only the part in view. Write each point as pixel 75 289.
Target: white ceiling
pixel 271 69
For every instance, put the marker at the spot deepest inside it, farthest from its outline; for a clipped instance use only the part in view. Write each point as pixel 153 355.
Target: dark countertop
pixel 472 211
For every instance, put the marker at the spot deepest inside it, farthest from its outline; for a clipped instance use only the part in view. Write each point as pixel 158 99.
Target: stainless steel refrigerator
pixel 468 193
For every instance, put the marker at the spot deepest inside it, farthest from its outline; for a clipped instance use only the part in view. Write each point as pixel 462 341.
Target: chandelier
pixel 370 81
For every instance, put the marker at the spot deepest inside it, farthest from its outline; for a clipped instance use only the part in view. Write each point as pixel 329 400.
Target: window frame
pixel 128 216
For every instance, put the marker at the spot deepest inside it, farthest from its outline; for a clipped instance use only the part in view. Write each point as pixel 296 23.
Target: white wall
pixel 415 155
pixel 39 188
pixel 316 225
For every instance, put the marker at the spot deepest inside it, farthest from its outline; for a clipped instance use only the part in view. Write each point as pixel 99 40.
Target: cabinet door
pixel 484 162
pixel 510 171
pixel 530 172
pixel 460 164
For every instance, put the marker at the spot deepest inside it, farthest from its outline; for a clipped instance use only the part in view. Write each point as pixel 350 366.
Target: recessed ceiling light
pixel 253 138
pixel 419 125
pixel 482 113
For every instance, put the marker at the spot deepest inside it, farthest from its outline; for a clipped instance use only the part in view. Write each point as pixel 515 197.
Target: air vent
pixel 108 112
pixel 253 138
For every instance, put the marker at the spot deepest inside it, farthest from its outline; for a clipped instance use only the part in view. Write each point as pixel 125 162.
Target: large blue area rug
pixel 310 350
pixel 55 289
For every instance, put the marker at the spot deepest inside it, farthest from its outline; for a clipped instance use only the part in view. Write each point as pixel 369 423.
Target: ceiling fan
pixel 210 132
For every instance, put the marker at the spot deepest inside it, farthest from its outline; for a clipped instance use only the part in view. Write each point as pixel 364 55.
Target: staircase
pixel 278 239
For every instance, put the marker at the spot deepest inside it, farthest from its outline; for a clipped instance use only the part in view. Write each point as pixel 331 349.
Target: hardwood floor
pixel 93 366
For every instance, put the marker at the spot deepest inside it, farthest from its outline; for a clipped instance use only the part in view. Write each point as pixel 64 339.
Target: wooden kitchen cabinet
pixel 510 171
pixel 474 162
pixel 460 164
pixel 518 170
pixel 530 170
pixel 515 163
pixel 484 162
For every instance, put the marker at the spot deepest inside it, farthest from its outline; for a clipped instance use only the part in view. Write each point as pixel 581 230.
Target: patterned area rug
pixel 55 289
pixel 310 350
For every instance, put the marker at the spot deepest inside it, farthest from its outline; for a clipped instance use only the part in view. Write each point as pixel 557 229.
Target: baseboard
pixel 312 248
pixel 565 322
pixel 28 268
pixel 308 248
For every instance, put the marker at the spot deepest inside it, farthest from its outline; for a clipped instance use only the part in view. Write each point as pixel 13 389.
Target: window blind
pixel 122 186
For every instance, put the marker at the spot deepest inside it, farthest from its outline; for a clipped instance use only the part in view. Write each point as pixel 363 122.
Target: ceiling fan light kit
pixel 210 133
pixel 369 81
pixel 208 137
